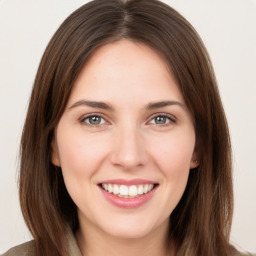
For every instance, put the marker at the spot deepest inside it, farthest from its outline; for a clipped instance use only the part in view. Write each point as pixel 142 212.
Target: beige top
pixel 28 249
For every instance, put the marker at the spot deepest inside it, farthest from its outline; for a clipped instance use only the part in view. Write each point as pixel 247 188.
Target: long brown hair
pixel 200 224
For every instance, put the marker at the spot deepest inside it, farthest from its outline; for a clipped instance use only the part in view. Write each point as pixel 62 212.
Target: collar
pixel 73 249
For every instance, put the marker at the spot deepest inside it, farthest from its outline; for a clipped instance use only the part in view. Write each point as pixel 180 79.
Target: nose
pixel 128 149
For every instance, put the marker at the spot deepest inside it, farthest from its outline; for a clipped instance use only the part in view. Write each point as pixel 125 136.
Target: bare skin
pixel 125 119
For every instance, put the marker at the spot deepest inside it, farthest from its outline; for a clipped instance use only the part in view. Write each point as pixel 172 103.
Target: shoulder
pixel 237 253
pixel 243 254
pixel 26 249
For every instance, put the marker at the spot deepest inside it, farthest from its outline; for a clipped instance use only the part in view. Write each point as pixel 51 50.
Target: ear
pixel 194 163
pixel 196 157
pixel 55 153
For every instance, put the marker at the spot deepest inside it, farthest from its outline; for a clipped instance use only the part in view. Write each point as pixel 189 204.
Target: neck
pixel 95 242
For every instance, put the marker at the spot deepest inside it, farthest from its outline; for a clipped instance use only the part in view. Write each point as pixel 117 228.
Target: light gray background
pixel 228 28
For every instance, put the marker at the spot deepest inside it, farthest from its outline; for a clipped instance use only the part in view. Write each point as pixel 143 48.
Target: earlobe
pixel 194 163
pixel 55 153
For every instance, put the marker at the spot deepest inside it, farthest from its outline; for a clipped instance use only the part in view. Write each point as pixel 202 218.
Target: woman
pixel 125 148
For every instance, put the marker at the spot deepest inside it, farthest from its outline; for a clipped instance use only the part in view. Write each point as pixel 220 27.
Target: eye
pixel 93 120
pixel 162 120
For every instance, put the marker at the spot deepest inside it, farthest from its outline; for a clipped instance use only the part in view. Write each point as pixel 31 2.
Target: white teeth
pixel 123 191
pixel 115 190
pixel 128 191
pixel 145 189
pixel 110 188
pixel 140 190
pixel 133 191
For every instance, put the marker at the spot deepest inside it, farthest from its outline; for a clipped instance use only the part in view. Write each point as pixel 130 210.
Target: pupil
pixel 160 120
pixel 95 120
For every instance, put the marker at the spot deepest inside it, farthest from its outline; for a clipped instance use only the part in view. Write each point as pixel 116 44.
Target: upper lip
pixel 128 182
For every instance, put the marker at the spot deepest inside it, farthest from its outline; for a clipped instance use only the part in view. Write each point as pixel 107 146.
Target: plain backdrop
pixel 228 28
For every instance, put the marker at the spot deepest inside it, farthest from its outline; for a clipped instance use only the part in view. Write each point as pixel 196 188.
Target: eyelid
pixel 172 118
pixel 84 117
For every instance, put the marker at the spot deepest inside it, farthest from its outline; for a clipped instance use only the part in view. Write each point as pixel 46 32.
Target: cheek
pixel 174 154
pixel 80 158
pixel 173 157
pixel 80 154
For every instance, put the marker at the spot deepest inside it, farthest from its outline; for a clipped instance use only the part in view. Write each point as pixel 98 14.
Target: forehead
pixel 125 50
pixel 125 67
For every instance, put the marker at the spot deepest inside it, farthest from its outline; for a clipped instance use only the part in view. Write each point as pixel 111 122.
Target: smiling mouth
pixel 125 191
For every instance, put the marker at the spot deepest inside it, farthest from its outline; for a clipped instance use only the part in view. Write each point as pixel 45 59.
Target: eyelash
pixel 83 120
pixel 171 120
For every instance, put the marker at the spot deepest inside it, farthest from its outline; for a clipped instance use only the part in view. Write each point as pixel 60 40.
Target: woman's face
pixel 125 142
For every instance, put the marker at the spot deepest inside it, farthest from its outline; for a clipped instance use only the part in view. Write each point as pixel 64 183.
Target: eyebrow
pixel 161 104
pixel 93 104
pixel 103 105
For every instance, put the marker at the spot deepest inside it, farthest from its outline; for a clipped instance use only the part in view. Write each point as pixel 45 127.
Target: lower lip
pixel 128 202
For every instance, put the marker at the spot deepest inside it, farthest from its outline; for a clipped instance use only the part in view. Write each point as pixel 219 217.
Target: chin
pixel 128 229
pixel 129 233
